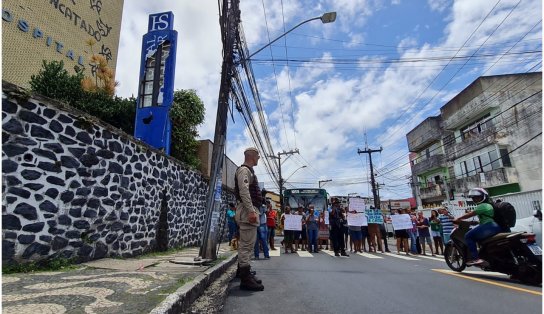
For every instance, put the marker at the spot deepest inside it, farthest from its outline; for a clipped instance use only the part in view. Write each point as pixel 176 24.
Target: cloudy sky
pixel 331 89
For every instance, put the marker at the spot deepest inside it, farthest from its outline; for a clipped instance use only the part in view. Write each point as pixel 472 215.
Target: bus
pixel 295 198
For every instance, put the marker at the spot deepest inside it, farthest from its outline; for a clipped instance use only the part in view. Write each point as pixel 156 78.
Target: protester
pixel 231 212
pixel 356 238
pixel 374 236
pixel 323 233
pixel 446 221
pixel 288 235
pixel 271 215
pixel 313 229
pixel 364 237
pixel 345 228
pixel 336 219
pixel 435 232
pixel 402 238
pixel 249 198
pixel 384 235
pixel 304 232
pixel 412 233
pixel 424 234
pixel 262 236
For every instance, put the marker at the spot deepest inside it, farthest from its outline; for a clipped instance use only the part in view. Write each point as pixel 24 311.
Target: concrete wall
pixel 76 187
pixel 425 133
pixel 513 127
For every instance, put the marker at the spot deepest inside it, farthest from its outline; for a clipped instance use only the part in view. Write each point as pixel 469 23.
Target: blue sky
pixel 379 70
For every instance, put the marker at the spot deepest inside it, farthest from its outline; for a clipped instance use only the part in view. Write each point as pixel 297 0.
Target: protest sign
pixel 374 216
pixel 293 222
pixel 401 222
pixel 358 219
pixel 356 204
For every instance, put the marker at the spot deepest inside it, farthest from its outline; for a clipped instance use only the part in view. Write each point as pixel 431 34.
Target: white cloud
pixel 332 108
pixel 438 5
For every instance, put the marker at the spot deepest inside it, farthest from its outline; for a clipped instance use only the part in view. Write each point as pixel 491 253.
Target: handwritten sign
pixel 358 219
pixel 293 222
pixel 401 222
pixel 374 216
pixel 357 204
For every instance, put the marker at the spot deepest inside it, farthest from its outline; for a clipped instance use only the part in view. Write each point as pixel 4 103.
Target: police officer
pixel 249 199
pixel 336 220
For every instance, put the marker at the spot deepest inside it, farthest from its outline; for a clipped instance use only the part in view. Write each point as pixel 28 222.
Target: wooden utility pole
pixel 229 21
pixel 372 181
pixel 295 151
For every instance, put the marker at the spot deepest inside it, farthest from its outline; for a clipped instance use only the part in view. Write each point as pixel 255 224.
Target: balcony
pixel 433 162
pixel 491 178
pixel 425 133
pixel 474 143
pixel 434 191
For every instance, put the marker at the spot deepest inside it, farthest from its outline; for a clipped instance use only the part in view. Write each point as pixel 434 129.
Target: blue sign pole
pixel 156 83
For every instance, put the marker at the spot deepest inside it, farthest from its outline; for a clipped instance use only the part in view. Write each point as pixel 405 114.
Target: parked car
pixel 531 224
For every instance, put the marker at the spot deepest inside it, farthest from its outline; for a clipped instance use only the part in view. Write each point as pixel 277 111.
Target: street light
pixel 322 181
pixel 293 173
pixel 328 17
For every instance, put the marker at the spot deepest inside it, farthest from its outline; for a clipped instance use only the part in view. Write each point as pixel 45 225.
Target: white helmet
pixel 478 195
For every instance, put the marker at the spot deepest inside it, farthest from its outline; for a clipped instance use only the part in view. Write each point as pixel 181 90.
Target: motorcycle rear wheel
pixel 454 258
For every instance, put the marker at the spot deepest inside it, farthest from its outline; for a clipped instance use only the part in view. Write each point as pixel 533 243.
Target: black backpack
pixel 504 214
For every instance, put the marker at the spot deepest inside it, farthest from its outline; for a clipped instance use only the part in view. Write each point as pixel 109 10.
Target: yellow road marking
pixel 448 272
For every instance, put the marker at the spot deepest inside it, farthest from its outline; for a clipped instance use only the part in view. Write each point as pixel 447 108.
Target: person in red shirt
pixel 271 216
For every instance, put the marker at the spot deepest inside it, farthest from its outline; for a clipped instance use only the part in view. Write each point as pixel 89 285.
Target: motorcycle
pixel 514 253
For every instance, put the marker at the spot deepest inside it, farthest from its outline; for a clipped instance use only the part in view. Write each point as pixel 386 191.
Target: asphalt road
pixel 321 283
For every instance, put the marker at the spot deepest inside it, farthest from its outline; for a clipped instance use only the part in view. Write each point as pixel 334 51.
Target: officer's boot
pixel 251 272
pixel 247 282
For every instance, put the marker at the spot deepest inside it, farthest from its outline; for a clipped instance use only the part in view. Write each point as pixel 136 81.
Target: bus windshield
pixel 304 197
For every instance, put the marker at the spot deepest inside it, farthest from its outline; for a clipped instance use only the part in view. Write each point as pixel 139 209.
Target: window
pixel 457 170
pixel 470 168
pixel 494 158
pixel 477 127
pixel 505 157
pixel 485 162
pixel 477 165
pixel 464 170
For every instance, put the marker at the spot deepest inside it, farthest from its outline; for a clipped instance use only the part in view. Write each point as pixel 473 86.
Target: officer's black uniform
pixel 336 219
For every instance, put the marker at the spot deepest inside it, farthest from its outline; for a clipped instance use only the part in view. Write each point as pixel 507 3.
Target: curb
pixel 181 300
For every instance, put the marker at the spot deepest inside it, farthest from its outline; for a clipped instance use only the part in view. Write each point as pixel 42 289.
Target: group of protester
pixel 253 221
pixel 435 229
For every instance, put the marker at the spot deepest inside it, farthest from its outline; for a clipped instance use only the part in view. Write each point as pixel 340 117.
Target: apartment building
pixel 489 135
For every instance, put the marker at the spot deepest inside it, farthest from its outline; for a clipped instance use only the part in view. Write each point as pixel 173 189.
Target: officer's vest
pixel 254 190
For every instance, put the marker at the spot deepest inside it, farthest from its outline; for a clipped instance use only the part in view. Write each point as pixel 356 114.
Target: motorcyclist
pixel 487 226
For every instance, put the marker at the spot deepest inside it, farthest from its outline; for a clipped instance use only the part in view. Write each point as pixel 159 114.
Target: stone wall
pixel 76 187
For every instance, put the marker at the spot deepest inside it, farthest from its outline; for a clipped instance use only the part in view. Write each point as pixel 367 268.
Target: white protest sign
pixel 401 222
pixel 358 219
pixel 356 204
pixel 326 218
pixel 293 222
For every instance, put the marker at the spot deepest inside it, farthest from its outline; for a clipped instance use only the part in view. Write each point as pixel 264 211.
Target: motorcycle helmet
pixel 478 195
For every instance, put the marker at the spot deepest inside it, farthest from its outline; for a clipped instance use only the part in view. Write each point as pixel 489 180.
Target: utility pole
pixel 372 181
pixel 291 152
pixel 322 181
pixel 229 20
pixel 378 189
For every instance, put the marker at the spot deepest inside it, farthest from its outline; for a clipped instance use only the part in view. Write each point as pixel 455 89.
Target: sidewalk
pixel 158 284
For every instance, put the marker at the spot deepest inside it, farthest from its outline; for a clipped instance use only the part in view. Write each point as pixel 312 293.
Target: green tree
pixel 187 113
pixel 55 82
